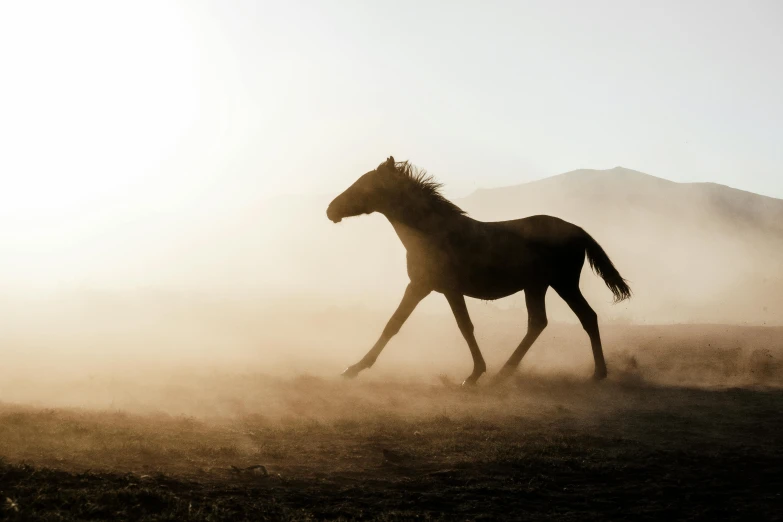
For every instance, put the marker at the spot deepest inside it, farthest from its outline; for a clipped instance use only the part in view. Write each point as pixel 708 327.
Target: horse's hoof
pixel 472 379
pixel 350 372
pixel 599 375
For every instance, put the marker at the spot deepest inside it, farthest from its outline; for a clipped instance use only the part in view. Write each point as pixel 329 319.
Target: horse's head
pixel 367 195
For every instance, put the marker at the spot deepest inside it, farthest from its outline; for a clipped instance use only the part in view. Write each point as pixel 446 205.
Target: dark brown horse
pixel 453 254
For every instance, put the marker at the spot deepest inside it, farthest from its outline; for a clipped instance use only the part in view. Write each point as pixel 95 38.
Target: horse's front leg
pixel 413 295
pixel 460 309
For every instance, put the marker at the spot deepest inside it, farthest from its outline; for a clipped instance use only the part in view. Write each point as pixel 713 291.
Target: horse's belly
pixel 491 294
pixel 486 279
pixel 491 283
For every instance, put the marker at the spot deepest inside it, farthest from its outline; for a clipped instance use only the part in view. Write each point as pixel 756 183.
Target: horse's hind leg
pixel 413 295
pixel 535 299
pixel 457 303
pixel 574 298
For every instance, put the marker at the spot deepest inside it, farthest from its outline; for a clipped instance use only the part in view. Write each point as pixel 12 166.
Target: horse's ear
pixel 390 161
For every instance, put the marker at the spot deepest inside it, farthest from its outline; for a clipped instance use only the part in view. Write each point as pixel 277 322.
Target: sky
pixel 125 112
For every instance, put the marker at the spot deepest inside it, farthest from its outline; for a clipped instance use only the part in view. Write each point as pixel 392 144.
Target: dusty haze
pixel 279 290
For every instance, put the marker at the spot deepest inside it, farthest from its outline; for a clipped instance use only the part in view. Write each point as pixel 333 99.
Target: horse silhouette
pixel 451 253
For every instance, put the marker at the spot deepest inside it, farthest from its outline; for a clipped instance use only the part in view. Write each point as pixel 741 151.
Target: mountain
pixel 625 190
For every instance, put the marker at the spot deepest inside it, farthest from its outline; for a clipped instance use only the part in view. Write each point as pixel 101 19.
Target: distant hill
pixel 628 191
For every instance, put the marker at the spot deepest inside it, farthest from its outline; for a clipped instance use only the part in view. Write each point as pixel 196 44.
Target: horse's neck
pixel 412 238
pixel 417 233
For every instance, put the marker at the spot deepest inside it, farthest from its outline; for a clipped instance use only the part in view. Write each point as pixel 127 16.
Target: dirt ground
pixel 213 444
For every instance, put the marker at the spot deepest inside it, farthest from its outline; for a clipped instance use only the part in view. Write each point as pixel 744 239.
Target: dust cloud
pixel 277 290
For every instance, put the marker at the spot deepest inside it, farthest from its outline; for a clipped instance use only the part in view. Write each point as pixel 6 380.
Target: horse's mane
pixel 418 180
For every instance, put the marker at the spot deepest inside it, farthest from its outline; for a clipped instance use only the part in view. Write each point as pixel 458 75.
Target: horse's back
pixel 542 229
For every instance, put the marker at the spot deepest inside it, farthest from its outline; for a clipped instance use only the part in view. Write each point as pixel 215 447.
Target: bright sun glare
pixel 94 97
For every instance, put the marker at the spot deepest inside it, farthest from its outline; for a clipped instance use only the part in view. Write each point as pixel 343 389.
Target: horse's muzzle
pixel 332 215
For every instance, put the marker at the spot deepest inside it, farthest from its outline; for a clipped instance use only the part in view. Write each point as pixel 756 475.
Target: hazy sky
pixel 132 108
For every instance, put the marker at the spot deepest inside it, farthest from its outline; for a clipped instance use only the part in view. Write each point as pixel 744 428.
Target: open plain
pixel 687 427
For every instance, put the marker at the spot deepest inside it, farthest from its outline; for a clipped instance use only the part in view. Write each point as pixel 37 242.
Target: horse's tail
pixel 604 268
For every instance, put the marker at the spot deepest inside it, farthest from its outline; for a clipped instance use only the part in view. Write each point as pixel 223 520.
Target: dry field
pixel 687 427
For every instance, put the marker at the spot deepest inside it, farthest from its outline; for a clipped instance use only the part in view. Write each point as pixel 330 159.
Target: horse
pixel 453 254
